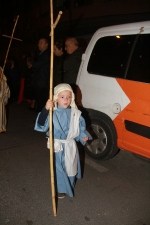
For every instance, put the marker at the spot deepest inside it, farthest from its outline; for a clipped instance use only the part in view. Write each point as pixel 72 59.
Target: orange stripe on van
pixel 138 111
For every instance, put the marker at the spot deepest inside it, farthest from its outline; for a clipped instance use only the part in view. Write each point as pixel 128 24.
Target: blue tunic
pixel 61 123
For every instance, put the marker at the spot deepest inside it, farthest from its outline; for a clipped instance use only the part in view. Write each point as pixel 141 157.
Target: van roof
pixel 127 26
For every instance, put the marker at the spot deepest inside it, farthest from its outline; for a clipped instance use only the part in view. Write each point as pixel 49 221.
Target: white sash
pixel 71 153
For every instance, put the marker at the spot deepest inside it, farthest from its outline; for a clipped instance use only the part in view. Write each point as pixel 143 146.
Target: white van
pixel 114 88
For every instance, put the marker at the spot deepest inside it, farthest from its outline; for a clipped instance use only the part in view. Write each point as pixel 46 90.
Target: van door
pixel 136 130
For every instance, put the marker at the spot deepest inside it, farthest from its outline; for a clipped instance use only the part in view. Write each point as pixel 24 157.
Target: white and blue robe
pixel 62 121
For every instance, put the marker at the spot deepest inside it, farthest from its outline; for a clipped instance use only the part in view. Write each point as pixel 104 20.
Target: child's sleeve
pixel 42 121
pixel 83 132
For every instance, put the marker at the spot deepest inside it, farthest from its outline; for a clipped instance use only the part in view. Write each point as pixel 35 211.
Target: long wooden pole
pixel 50 115
pixel 11 37
pixel 51 144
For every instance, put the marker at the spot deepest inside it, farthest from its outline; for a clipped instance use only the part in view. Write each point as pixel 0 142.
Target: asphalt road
pixel 113 192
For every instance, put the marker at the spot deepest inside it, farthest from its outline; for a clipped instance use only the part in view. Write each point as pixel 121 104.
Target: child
pixel 68 127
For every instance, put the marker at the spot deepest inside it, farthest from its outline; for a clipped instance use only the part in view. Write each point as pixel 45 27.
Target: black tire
pixel 104 143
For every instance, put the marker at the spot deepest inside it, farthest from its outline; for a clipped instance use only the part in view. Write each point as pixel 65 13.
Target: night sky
pixel 9 9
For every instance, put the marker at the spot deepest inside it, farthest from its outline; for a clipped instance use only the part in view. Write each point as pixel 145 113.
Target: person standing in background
pixel 59 57
pixel 72 61
pixel 41 69
pixel 23 70
pixel 14 79
pixel 29 84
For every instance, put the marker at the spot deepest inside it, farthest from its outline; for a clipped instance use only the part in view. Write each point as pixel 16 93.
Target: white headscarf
pixel 63 87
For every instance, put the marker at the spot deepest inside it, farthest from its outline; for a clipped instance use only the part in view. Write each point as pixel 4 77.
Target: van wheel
pixel 104 143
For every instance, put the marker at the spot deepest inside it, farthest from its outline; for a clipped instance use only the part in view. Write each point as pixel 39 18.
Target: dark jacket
pixel 29 84
pixel 41 70
pixel 23 69
pixel 14 76
pixel 58 69
pixel 71 66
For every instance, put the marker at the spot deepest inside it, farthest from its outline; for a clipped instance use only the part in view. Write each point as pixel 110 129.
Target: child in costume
pixel 68 127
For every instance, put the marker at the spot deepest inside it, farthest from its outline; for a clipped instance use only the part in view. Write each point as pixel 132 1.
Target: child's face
pixel 64 99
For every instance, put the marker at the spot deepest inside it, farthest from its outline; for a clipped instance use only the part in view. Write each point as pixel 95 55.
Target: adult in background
pixel 41 69
pixel 23 70
pixel 4 95
pixel 72 61
pixel 14 79
pixel 59 57
pixel 29 84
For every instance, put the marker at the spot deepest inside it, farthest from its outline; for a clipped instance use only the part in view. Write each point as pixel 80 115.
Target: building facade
pixel 80 18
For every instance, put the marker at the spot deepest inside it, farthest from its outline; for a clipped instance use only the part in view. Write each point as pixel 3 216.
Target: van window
pixel 139 68
pixel 110 55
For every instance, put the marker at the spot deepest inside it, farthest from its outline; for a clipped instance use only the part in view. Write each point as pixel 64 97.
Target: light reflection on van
pixel 114 88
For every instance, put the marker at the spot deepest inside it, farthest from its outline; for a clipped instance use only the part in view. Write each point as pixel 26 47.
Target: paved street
pixel 113 192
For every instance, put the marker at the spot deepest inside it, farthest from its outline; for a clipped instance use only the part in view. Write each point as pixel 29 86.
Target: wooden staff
pixel 56 21
pixel 11 37
pixel 51 144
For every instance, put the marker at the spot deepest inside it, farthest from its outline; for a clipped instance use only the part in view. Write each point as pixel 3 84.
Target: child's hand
pixel 49 104
pixel 85 139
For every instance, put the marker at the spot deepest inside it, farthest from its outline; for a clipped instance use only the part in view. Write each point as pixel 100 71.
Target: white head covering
pixel 63 87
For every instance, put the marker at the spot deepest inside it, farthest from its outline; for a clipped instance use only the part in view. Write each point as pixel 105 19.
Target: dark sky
pixel 10 8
